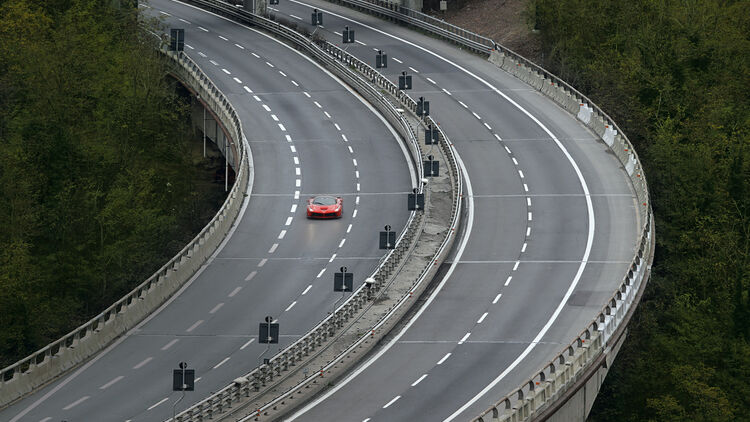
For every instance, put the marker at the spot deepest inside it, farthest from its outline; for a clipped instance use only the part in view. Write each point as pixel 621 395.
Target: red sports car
pixel 325 206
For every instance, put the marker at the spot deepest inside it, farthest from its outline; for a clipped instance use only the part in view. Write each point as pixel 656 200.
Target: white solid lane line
pixel 170 344
pixel 158 403
pixel 76 403
pixel 414 384
pixel 109 384
pixel 143 362
pixel 216 308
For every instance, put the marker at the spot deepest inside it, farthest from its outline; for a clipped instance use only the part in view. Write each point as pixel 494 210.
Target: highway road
pixel 550 233
pixel 308 135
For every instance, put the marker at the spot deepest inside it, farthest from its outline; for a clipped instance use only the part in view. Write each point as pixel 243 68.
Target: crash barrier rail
pixel 53 360
pixel 568 366
pixel 393 10
pixel 367 82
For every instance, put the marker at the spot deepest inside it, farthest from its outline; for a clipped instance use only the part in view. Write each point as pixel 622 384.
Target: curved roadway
pixel 551 231
pixel 308 135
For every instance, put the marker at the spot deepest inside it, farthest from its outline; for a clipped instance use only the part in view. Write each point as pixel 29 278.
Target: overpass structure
pixel 547 214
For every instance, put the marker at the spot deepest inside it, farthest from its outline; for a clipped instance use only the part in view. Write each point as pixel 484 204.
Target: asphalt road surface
pixel 308 135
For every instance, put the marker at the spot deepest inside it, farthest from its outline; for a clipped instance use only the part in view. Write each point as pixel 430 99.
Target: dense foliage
pixel 96 180
pixel 675 76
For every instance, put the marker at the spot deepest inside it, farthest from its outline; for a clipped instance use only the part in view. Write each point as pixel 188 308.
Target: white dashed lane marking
pixel 391 402
pixel 507 282
pixel 247 344
pixel 144 362
pixel 216 308
pixel 484 315
pixel 290 306
pixel 466 336
pixel 76 403
pixel 239 46
pixel 226 71
pixel 222 362
pixel 523 248
pixel 264 260
pixel 213 62
pixel 158 403
pixel 110 383
pixel 273 248
pixel 203 29
pixel 413 70
pixel 223 38
pixel 414 384
pixel 282 234
pixel 251 275
pixel 170 344
pixel 183 20
pixel 235 291
pixel 396 60
pixel 309 286
pixel 321 273
pixel 195 325
pixel 447 355
pixel 288 221
pixel 499 295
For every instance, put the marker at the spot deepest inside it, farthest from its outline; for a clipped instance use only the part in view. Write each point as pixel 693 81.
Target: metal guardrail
pixel 567 366
pixel 367 81
pixel 393 10
pixel 82 343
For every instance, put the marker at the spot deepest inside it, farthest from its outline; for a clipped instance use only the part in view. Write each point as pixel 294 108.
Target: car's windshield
pixel 324 200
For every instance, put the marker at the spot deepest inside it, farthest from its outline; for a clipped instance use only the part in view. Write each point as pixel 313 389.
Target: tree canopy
pixel 96 179
pixel 675 76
